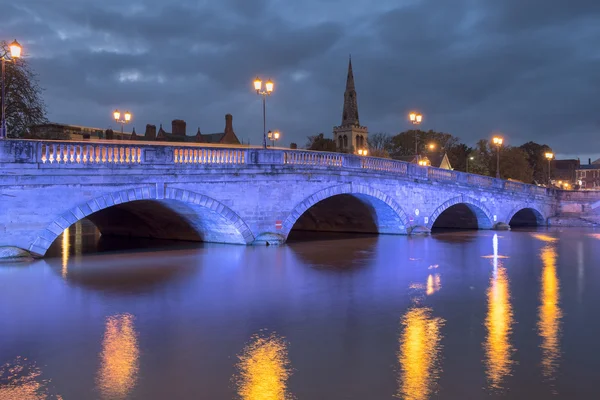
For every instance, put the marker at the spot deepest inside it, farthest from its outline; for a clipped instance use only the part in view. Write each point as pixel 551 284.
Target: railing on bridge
pixel 182 155
pixel 77 153
pixel 129 153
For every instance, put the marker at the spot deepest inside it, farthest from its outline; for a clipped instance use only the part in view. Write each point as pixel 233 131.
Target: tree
pixel 458 155
pixel 514 164
pixel 403 144
pixel 320 143
pixel 380 144
pixel 536 157
pixel 482 158
pixel 24 104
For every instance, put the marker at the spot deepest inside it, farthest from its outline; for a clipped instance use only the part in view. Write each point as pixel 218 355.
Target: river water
pixel 458 315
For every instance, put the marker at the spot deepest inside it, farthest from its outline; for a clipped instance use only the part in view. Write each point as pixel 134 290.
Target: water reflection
pixel 549 314
pixel 498 323
pixel 434 284
pixel 264 369
pixel 66 248
pixel 419 354
pixel 127 274
pixel 21 380
pixel 119 358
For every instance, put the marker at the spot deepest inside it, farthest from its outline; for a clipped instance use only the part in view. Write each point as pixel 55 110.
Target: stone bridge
pixel 244 195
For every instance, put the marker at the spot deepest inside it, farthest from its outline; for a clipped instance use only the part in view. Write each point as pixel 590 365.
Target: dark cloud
pixel 526 68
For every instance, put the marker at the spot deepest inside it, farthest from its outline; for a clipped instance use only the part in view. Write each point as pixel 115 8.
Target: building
pixel 350 136
pixel 588 176
pixel 54 131
pixel 437 160
pixel 564 170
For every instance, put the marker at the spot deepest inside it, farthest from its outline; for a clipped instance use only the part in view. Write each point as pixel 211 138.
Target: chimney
pixel 150 132
pixel 229 135
pixel 178 127
pixel 228 123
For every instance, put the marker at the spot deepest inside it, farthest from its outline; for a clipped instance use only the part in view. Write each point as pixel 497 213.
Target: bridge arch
pixel 526 215
pixel 176 214
pixel 484 218
pixel 387 215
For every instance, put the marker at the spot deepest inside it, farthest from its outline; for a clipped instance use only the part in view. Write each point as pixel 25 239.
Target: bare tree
pixel 380 144
pixel 24 104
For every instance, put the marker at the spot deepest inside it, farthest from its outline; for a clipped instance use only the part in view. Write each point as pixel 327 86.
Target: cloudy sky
pixel 527 68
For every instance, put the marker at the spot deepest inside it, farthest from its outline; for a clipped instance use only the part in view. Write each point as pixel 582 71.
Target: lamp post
pixel 549 157
pixel 362 152
pixel 424 162
pixel 469 158
pixel 416 119
pixel 264 93
pixel 497 140
pixel 126 119
pixel 273 136
pixel 15 52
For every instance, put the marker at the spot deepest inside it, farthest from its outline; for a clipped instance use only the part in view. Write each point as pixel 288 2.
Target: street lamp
pixel 424 162
pixel 469 158
pixel 126 119
pixel 273 136
pixel 431 146
pixel 416 119
pixel 362 152
pixel 15 52
pixel 497 140
pixel 549 156
pixel 264 93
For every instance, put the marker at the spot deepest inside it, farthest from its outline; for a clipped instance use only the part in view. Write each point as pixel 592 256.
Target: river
pixel 457 315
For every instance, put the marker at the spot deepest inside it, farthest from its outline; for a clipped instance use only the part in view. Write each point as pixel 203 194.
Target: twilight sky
pixel 527 68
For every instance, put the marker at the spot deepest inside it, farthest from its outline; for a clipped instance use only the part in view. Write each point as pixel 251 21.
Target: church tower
pixel 349 137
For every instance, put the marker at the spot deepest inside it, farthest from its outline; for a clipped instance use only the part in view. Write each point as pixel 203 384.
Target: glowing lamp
pixel 257 84
pixel 549 156
pixel 497 140
pixel 127 116
pixel 15 49
pixel 269 86
pixel 116 115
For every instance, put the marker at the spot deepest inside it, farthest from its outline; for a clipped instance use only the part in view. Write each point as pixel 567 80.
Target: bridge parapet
pixel 117 153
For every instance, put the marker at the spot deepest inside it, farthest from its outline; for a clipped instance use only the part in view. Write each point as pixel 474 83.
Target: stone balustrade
pixel 127 153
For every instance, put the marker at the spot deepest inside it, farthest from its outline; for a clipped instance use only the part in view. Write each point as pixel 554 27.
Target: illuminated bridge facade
pixel 245 195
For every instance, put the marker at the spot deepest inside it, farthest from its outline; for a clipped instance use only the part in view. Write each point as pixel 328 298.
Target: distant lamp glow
pixel 549 156
pixel 415 118
pixel 424 162
pixel 497 140
pixel 431 146
pixel 471 158
pixel 362 152
pixel 126 119
pixel 15 49
pixel 257 84
pixel 273 136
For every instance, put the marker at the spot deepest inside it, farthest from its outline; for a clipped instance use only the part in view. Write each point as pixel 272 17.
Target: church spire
pixel 350 78
pixel 350 112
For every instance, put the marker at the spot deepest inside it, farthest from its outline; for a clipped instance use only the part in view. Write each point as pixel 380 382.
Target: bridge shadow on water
pixel 336 251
